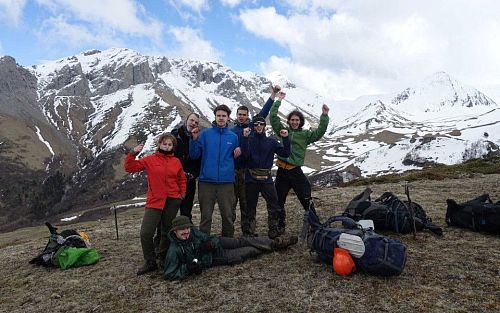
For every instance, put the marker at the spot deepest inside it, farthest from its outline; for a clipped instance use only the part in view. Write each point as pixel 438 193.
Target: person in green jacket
pixel 191 251
pixel 290 174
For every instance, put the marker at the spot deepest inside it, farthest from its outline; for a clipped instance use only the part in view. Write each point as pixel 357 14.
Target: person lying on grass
pixel 192 251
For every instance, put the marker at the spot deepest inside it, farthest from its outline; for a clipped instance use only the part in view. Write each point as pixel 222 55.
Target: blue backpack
pixel 383 256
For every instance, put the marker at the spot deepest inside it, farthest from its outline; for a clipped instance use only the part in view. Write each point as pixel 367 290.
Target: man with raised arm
pixel 290 174
pixel 243 121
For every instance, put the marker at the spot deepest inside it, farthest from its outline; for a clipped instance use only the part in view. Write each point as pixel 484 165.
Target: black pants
pixel 187 202
pixel 268 192
pixel 292 179
pixel 237 250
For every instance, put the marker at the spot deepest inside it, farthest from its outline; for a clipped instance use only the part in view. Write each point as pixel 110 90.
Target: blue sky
pixel 341 49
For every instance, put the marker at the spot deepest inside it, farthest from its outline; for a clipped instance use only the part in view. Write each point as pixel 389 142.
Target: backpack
pixel 383 256
pixel 55 250
pixel 388 212
pixel 479 214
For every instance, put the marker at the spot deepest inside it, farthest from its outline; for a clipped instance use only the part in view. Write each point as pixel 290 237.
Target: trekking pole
pixel 116 220
pixel 410 209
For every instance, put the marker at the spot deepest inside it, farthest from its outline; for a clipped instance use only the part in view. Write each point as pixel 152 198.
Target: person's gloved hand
pixel 193 267
pixel 206 246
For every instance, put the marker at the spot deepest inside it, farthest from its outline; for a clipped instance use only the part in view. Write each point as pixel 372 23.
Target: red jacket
pixel 166 178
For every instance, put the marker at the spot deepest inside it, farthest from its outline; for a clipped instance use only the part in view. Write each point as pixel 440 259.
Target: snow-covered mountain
pixel 79 114
pixel 437 122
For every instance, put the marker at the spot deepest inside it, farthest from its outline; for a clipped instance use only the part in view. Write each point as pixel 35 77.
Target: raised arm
pixel 131 164
pixel 323 124
pixel 269 103
pixel 273 115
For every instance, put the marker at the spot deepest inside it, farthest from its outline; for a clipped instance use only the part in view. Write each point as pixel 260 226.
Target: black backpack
pixel 479 214
pixel 388 212
pixel 383 256
pixel 67 238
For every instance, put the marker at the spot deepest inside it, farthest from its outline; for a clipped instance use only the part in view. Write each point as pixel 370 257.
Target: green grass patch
pixel 490 165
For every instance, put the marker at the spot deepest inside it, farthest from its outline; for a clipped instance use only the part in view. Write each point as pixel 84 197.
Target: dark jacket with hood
pixel 258 152
pixel 189 165
pixel 238 129
pixel 182 252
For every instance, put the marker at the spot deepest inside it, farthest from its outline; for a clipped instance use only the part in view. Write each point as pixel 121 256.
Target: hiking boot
pixel 161 264
pixel 281 230
pixel 273 233
pixel 149 266
pixel 280 243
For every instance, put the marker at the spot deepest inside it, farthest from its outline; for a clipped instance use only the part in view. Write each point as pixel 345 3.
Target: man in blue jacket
pixel 243 121
pixel 258 153
pixel 217 147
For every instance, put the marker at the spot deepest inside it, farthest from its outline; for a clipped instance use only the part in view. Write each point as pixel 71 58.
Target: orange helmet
pixel 343 264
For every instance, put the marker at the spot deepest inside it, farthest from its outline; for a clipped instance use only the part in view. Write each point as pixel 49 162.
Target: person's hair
pixel 195 114
pixel 299 114
pixel 224 108
pixel 243 108
pixel 166 136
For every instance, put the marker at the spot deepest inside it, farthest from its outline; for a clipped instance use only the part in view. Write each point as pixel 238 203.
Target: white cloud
pixel 230 3
pixel 108 16
pixel 195 5
pixel 56 30
pixel 192 45
pixel 381 45
pixel 11 11
pixel 331 85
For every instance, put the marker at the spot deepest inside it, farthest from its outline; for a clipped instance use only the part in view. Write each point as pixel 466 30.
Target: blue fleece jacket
pixel 215 146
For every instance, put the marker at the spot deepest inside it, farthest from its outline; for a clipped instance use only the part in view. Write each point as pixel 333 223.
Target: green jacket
pixel 299 138
pixel 182 252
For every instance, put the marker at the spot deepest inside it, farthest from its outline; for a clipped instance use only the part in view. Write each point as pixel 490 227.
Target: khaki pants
pixel 208 194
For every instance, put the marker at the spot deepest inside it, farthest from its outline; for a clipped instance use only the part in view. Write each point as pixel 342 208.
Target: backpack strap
pixel 358 202
pixel 347 222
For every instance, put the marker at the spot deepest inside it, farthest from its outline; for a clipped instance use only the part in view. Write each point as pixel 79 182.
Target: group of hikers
pixel 230 165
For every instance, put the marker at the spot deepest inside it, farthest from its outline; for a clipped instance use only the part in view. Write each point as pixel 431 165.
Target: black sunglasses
pixel 259 123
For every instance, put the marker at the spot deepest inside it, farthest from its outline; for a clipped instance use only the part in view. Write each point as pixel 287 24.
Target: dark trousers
pixel 150 221
pixel 237 250
pixel 240 195
pixel 187 202
pixel 223 194
pixel 269 194
pixel 292 179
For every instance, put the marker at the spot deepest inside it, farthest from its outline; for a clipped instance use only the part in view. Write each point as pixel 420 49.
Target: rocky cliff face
pixel 66 125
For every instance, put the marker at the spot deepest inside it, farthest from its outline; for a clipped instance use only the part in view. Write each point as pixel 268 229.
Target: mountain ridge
pixel 93 106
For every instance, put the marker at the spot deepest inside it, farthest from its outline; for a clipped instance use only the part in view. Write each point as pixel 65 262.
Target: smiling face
pixel 221 118
pixel 259 127
pixel 192 122
pixel 294 121
pixel 167 145
pixel 183 234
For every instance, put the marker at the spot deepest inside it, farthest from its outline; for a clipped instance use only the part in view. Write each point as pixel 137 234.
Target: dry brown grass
pixel 459 272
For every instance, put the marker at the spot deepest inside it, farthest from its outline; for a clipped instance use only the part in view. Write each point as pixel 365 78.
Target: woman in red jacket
pixel 166 188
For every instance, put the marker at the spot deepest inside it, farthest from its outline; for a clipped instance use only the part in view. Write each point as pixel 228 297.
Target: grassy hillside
pixel 459 272
pixel 489 165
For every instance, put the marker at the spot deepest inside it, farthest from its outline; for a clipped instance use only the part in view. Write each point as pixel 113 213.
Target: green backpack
pixel 66 249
